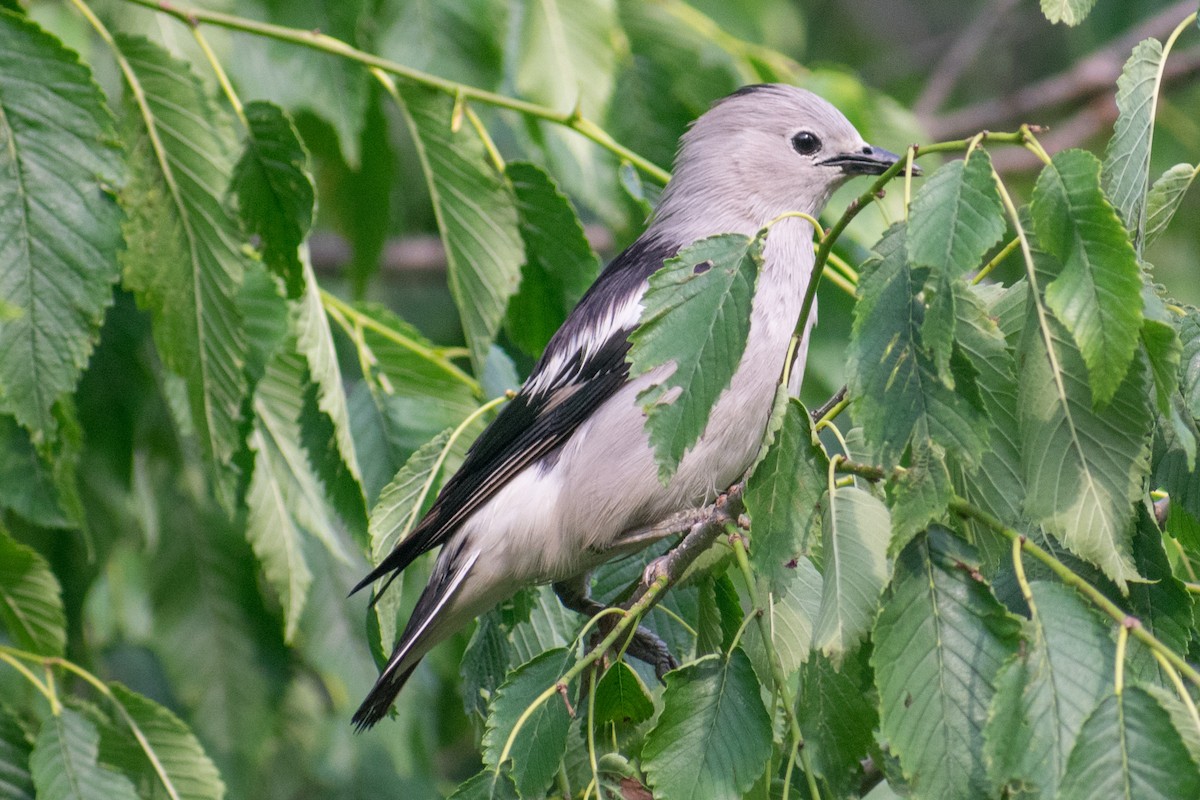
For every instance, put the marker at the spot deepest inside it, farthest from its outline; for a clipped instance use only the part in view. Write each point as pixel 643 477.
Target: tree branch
pixel 1092 75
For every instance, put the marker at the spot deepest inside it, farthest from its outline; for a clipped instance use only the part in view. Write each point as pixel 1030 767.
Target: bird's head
pixel 762 151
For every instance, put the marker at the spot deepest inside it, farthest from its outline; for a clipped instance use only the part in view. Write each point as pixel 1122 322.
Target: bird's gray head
pixel 762 151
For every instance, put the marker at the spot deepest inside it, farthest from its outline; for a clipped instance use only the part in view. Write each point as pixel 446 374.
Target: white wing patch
pixel 565 364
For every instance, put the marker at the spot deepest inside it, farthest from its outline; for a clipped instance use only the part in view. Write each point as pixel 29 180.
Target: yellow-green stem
pixel 1063 572
pixel 328 44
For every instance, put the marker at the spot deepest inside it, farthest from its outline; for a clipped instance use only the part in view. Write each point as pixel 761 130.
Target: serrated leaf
pixel 285 499
pixel 1070 12
pixel 1083 466
pixel 621 697
pixel 487 785
pixel 1162 604
pixel 894 385
pixel 332 87
pixel 396 513
pixel 713 737
pixel 997 485
pixel 15 781
pixel 1164 197
pixel 920 496
pixel 476 212
pixel 559 262
pixel 31 606
pixel 184 260
pixel 171 755
pixel 64 762
pixel 1045 695
pixel 719 613
pixel 39 487
pixel 955 217
pixel 940 639
pixel 792 611
pixel 837 715
pixel 275 198
pixel 1163 349
pixel 1097 294
pixel 696 313
pixel 60 165
pixel 314 341
pixel 541 741
pixel 405 364
pixel 855 530
pixel 1126 172
pixel 783 497
pixel 1189 335
pixel 1128 748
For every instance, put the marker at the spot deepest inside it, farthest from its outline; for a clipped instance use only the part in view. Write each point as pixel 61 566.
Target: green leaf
pixel 39 486
pixel 184 260
pixel 31 606
pixel 15 781
pixel 1189 335
pixel 476 212
pixel 458 41
pixel 955 217
pixel 838 717
pixel 1045 694
pixel 713 737
pixel 855 531
pixel 920 496
pixel 1164 198
pixel 1071 12
pixel 285 499
pixel 64 762
pixel 487 785
pixel 783 496
pixel 542 739
pixel 1129 748
pixel 1083 466
pixel 1162 604
pixel 940 640
pixel 1097 294
pixel 208 630
pixel 407 365
pixel 982 325
pixel 274 191
pixel 315 341
pixel 60 165
pixel 621 697
pixel 697 314
pixel 1163 349
pixel 894 385
pixel 1126 172
pixel 332 87
pixel 396 513
pixel 566 55
pixel 559 262
pixel 171 755
pixel 791 616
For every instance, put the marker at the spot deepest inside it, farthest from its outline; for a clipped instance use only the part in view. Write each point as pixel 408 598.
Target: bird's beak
pixel 868 161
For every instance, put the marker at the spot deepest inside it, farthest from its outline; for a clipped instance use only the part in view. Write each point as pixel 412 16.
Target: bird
pixel 548 489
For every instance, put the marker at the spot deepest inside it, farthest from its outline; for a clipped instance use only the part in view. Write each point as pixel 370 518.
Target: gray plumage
pixel 549 488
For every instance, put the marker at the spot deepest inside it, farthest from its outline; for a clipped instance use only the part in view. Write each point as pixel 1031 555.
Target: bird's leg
pixel 645 646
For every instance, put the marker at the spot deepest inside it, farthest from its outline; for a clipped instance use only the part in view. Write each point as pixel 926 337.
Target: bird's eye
pixel 806 143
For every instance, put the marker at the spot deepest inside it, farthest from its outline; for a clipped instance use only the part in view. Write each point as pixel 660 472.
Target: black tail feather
pixel 380 698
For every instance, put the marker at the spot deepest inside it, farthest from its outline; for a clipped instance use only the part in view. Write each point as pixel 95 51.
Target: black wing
pixel 583 366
